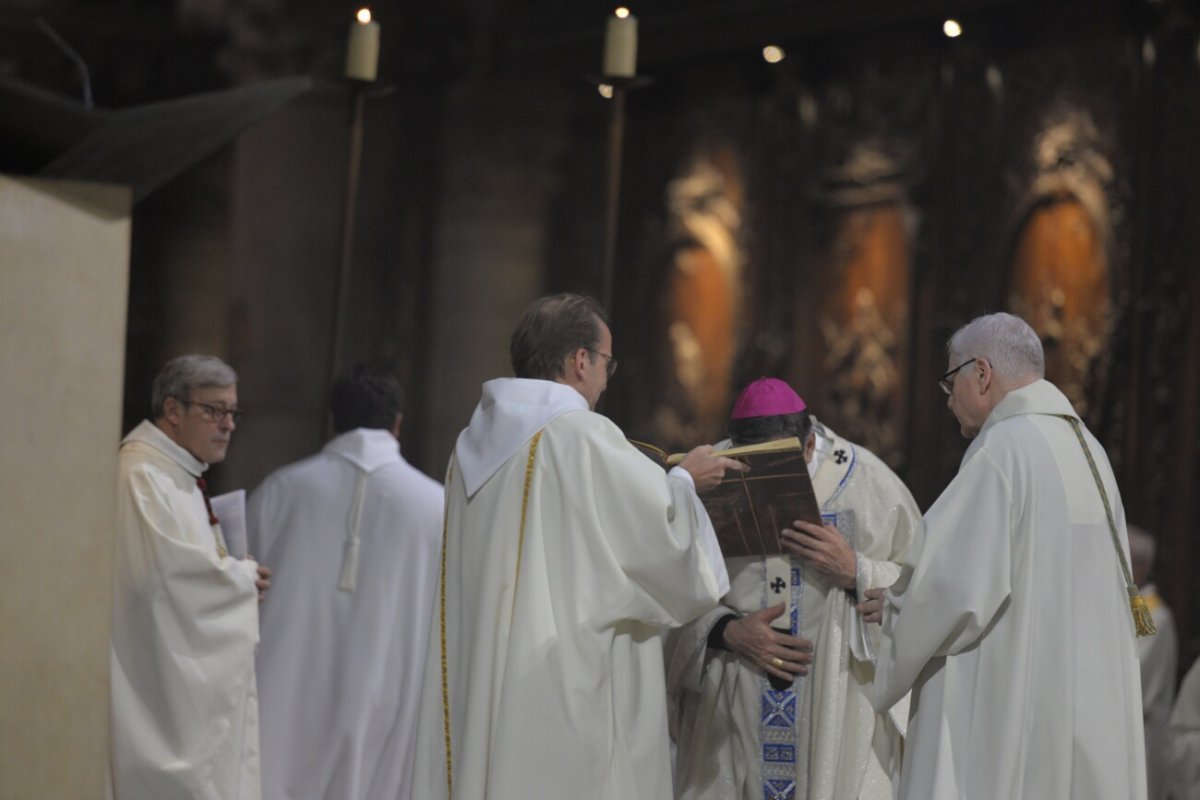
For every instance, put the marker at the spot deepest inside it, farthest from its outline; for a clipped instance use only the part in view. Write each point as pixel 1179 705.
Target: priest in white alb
pixel 1183 739
pixel 185 613
pixel 1158 656
pixel 352 534
pixel 768 703
pixel 1014 620
pixel 566 552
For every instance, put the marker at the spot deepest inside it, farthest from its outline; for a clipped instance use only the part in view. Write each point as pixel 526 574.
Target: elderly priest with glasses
pixel 1014 619
pixel 185 613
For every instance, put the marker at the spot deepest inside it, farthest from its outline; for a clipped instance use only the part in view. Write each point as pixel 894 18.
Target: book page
pixel 655 454
pixel 230 509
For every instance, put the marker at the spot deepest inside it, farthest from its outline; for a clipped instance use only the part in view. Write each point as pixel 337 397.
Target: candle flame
pixel 606 91
pixel 622 12
pixel 773 54
pixel 364 16
pixel 952 28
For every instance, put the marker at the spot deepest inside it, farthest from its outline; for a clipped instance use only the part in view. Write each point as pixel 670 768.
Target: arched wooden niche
pixel 1060 272
pixel 864 323
pixel 1060 283
pixel 864 286
pixel 700 298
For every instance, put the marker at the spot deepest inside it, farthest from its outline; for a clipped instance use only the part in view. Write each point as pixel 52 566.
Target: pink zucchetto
pixel 767 397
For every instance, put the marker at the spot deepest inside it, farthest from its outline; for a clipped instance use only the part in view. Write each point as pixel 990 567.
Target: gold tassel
pixel 1143 623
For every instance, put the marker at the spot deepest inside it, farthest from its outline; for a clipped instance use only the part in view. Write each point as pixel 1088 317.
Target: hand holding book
pixel 708 467
pixel 825 549
pixel 749 508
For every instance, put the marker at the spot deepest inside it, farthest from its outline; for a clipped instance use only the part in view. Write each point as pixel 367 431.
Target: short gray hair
pixel 1006 341
pixel 182 374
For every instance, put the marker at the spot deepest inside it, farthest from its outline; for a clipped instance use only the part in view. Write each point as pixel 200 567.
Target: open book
pixel 749 509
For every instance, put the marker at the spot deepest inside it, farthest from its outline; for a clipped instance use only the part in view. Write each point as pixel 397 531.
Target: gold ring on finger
pixel 778 662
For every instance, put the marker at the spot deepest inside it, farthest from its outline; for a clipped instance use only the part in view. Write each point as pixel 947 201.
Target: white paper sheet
pixel 230 509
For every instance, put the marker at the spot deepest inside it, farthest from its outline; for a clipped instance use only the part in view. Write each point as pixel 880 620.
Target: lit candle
pixel 620 45
pixel 362 49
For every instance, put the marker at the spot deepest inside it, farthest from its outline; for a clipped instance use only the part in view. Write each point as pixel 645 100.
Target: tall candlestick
pixel 620 45
pixel 362 48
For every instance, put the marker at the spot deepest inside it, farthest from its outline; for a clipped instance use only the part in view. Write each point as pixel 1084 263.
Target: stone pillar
pixel 490 240
pixel 63 289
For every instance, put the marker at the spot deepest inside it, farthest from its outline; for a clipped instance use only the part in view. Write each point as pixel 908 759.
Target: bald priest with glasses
pixel 185 613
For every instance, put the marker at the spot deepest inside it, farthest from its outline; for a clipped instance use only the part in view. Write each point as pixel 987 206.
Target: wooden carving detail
pixel 1059 275
pixel 865 302
pixel 702 298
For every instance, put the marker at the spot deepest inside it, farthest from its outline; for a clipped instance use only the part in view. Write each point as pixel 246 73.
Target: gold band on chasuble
pixel 442 616
pixel 533 446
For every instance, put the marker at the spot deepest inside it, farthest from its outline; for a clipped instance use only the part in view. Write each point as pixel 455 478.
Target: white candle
pixel 362 49
pixel 620 45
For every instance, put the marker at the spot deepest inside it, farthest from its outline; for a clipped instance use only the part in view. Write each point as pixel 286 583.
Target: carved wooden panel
pixel 1060 285
pixel 864 324
pixel 701 299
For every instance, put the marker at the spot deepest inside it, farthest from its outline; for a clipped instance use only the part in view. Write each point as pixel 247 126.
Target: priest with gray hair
pixel 185 612
pixel 1015 618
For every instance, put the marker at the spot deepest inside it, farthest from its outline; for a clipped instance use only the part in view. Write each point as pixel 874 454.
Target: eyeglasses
pixel 215 413
pixel 947 380
pixel 610 365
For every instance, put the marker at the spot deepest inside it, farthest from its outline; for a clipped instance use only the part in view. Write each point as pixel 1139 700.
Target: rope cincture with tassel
pixel 1143 623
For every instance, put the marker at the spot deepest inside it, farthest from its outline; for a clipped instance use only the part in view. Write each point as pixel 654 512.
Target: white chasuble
pixel 184 628
pixel 1183 739
pixel 1158 656
pixel 1012 624
pixel 567 552
pixel 740 739
pixel 353 537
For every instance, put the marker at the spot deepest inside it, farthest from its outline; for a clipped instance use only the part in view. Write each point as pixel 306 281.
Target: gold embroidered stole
pixel 533 446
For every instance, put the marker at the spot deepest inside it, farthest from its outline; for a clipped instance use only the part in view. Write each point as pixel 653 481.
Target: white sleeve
pixel 960 580
pixel 707 535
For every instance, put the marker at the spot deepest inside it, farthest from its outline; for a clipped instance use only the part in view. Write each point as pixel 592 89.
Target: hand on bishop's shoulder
pixel 707 466
pixel 825 549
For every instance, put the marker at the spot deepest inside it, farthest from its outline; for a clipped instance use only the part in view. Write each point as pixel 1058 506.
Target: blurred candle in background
pixel 620 44
pixel 362 49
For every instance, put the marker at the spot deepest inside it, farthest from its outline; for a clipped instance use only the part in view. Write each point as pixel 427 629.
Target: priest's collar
pixel 1039 397
pixel 366 448
pixel 149 434
pixel 509 413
